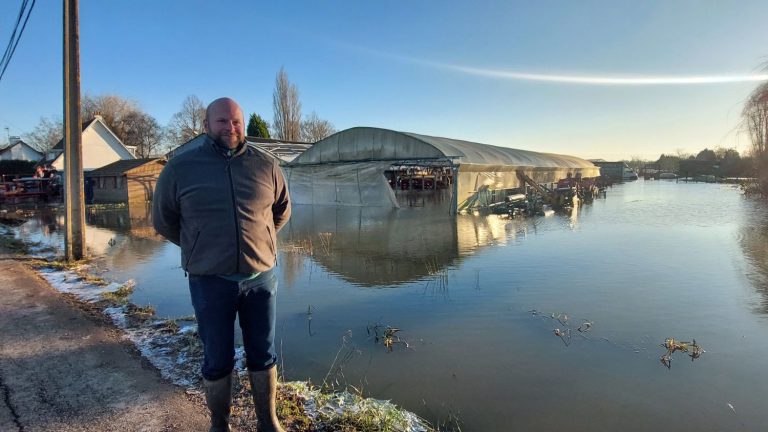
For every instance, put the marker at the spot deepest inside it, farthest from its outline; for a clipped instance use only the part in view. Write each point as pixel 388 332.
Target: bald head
pixel 224 122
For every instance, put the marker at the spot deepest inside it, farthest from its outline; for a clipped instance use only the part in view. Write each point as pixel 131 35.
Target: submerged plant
pixel 693 349
pixel 386 335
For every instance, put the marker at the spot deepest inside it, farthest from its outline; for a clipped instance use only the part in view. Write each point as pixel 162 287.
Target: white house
pixel 100 147
pixel 19 150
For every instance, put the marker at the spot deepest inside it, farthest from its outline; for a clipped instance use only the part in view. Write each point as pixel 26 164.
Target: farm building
pixel 131 181
pixel 366 166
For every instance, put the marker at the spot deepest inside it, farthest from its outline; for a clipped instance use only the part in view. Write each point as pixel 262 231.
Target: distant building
pixel 100 147
pixel 19 150
pixel 131 181
pixel 286 151
pixel 618 171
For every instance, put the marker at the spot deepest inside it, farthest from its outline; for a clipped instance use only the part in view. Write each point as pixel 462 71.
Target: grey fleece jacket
pixel 223 212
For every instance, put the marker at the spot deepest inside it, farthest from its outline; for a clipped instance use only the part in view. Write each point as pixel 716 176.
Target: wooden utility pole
pixel 74 241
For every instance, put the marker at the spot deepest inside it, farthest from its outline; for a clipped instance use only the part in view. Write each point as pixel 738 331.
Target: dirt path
pixel 63 369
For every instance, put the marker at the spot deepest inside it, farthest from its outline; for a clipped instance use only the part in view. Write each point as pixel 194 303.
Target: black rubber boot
pixel 218 396
pixel 264 390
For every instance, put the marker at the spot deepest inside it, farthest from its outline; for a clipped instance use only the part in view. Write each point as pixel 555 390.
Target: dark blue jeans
pixel 217 302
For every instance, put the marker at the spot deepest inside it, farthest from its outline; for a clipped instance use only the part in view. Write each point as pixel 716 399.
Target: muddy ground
pixel 64 367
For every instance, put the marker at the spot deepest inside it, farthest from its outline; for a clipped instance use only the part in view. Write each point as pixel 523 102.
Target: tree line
pixel 728 161
pixel 135 127
pixel 754 121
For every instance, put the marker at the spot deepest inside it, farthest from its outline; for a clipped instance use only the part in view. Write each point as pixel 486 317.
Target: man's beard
pixel 226 144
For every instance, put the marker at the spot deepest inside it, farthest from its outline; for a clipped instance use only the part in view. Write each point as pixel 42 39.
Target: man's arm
pixel 281 209
pixel 165 207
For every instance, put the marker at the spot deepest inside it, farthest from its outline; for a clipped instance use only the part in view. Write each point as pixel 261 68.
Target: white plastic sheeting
pixel 347 168
pixel 354 184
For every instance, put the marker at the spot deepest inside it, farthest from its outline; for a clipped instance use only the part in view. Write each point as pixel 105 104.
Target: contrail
pixel 605 80
pixel 579 79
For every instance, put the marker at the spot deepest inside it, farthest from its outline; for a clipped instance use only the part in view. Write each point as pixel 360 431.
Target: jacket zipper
pixel 191 251
pixel 234 213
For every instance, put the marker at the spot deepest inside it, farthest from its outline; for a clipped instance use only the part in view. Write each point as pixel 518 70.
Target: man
pixel 223 203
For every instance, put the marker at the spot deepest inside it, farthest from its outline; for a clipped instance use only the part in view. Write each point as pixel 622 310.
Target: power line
pixel 9 54
pixel 13 34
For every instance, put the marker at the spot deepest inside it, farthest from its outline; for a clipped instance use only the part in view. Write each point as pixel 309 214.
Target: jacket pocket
pixel 272 239
pixel 192 250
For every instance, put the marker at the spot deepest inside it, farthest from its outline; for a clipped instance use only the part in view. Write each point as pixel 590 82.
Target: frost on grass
pixel 347 411
pixel 174 348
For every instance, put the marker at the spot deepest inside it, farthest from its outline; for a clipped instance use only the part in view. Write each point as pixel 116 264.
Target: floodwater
pixel 477 300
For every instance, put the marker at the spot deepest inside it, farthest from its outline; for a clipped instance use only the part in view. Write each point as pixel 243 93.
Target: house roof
pixel 19 142
pixel 119 167
pixel 60 145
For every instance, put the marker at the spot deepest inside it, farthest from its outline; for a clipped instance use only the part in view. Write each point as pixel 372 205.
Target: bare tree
pixel 46 134
pixel 143 132
pixel 313 128
pixel 755 115
pixel 755 121
pixel 112 108
pixel 287 109
pixel 188 122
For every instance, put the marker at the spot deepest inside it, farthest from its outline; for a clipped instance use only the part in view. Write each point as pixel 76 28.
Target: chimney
pixel 13 140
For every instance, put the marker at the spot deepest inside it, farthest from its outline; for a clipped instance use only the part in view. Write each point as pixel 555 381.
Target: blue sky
pixel 403 65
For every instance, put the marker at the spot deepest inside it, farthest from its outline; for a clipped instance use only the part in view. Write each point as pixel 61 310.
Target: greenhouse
pixel 366 166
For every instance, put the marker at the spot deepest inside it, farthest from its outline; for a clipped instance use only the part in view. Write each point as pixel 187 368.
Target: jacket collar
pixel 225 152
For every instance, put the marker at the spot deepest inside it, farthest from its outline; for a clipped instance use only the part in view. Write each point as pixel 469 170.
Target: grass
pixel 340 411
pixel 120 295
pixel 79 267
pixel 12 244
pixel 360 414
pixel 58 264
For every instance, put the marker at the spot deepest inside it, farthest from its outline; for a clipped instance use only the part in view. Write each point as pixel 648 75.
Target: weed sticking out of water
pixel 564 331
pixel 387 336
pixel 326 239
pixel 120 295
pixel 438 277
pixel 302 246
pixel 335 375
pixel 309 320
pixel 672 345
pixel 452 423
pixel 565 335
